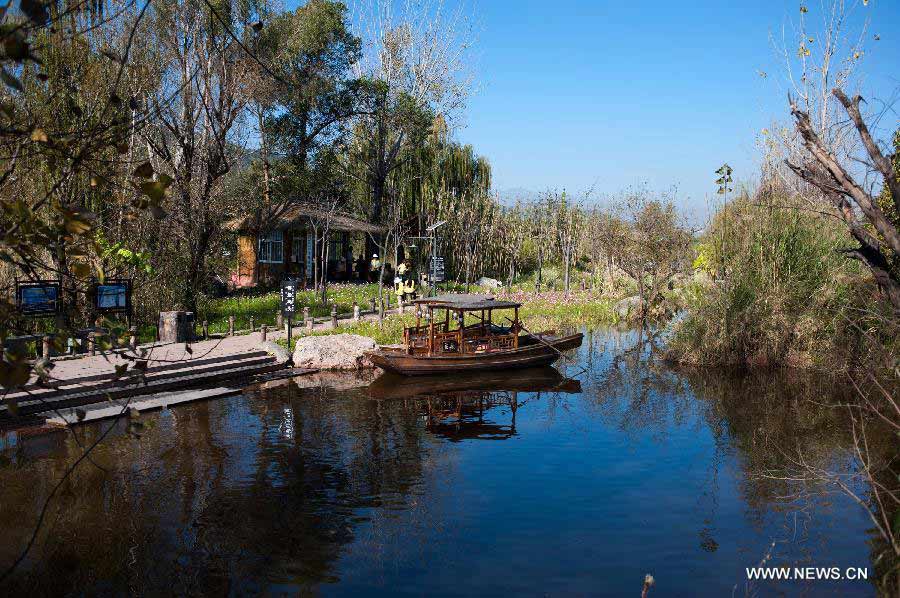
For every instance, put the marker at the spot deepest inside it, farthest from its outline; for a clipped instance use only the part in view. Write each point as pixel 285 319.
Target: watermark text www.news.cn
pixel 807 573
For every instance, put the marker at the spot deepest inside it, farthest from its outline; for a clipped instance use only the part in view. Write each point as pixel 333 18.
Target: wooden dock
pixel 149 378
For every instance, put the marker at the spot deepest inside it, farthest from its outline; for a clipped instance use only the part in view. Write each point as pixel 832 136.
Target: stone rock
pixel 491 283
pixel 627 306
pixel 280 353
pixel 333 352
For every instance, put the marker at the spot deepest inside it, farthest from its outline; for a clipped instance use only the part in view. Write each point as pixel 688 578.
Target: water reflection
pixel 302 487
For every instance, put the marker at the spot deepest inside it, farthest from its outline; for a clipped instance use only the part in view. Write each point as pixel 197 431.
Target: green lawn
pixel 538 313
pixel 264 308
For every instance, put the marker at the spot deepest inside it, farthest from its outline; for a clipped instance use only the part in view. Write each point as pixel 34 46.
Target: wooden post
pixel 45 347
pixel 355 311
pixel 306 319
pixel 334 320
pixel 132 337
pixel 252 326
pixel 430 330
pixel 515 328
pixel 230 325
pixel 400 305
pixel 263 332
pixel 459 331
pixel 309 324
pixel 279 320
pixel 381 315
pixel 388 300
pixel 92 343
pixel 205 330
pixel 373 305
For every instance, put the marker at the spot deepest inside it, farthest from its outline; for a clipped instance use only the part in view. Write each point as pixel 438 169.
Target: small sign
pixel 289 298
pixel 113 296
pixel 436 271
pixel 40 298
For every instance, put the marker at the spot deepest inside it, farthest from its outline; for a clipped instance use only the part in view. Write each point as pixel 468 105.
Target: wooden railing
pixel 475 339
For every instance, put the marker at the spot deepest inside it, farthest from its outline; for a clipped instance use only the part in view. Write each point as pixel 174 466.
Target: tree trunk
pixel 325 250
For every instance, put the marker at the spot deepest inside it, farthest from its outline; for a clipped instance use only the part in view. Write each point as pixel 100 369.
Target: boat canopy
pixel 466 302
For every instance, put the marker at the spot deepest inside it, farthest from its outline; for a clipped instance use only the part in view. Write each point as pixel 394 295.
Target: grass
pixel 539 312
pixel 264 308
pixel 789 296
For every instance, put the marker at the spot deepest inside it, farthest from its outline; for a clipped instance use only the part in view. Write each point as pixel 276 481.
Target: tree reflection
pixel 792 435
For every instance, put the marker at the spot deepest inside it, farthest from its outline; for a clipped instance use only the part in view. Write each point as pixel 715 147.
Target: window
pixel 270 248
pixel 298 248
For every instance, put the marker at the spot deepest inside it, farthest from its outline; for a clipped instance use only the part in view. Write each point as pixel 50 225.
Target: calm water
pixel 304 488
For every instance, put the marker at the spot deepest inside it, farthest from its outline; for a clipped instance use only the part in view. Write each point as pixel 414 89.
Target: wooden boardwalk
pixel 168 374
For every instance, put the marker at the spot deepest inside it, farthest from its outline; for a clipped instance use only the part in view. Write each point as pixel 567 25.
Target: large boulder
pixel 491 283
pixel 333 352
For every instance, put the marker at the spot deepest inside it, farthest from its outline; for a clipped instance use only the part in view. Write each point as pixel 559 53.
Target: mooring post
pixel 355 311
pixel 205 329
pixel 334 322
pixel 263 331
pixel 230 325
pixel 132 338
pixel 279 320
pixel 252 327
pixel 373 304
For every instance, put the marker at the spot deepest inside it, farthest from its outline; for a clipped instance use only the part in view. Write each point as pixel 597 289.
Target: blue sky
pixel 609 94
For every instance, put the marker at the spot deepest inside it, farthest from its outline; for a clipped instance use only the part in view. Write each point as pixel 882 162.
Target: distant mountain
pixel 508 197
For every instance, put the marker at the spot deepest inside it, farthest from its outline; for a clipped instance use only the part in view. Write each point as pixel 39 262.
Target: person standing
pixel 374 268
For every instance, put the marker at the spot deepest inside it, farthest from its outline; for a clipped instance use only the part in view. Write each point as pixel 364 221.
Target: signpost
pixel 436 272
pixel 289 304
pixel 39 298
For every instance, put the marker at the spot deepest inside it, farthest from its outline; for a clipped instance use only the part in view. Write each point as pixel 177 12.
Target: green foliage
pixel 119 255
pixel 788 295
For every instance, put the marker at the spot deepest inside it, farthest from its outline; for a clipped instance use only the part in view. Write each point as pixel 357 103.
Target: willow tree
pixel 415 62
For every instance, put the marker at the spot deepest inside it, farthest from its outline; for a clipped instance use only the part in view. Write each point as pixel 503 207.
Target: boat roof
pixel 466 302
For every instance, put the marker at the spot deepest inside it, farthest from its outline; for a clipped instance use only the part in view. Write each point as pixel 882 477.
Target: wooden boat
pixel 454 345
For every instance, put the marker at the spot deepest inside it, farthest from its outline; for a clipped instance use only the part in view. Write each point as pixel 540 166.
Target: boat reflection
pixel 454 406
pixel 543 379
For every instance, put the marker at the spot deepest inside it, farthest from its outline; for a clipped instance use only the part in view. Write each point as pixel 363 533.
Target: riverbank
pixel 540 311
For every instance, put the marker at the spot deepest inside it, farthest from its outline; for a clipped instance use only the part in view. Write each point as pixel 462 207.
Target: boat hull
pixel 539 353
